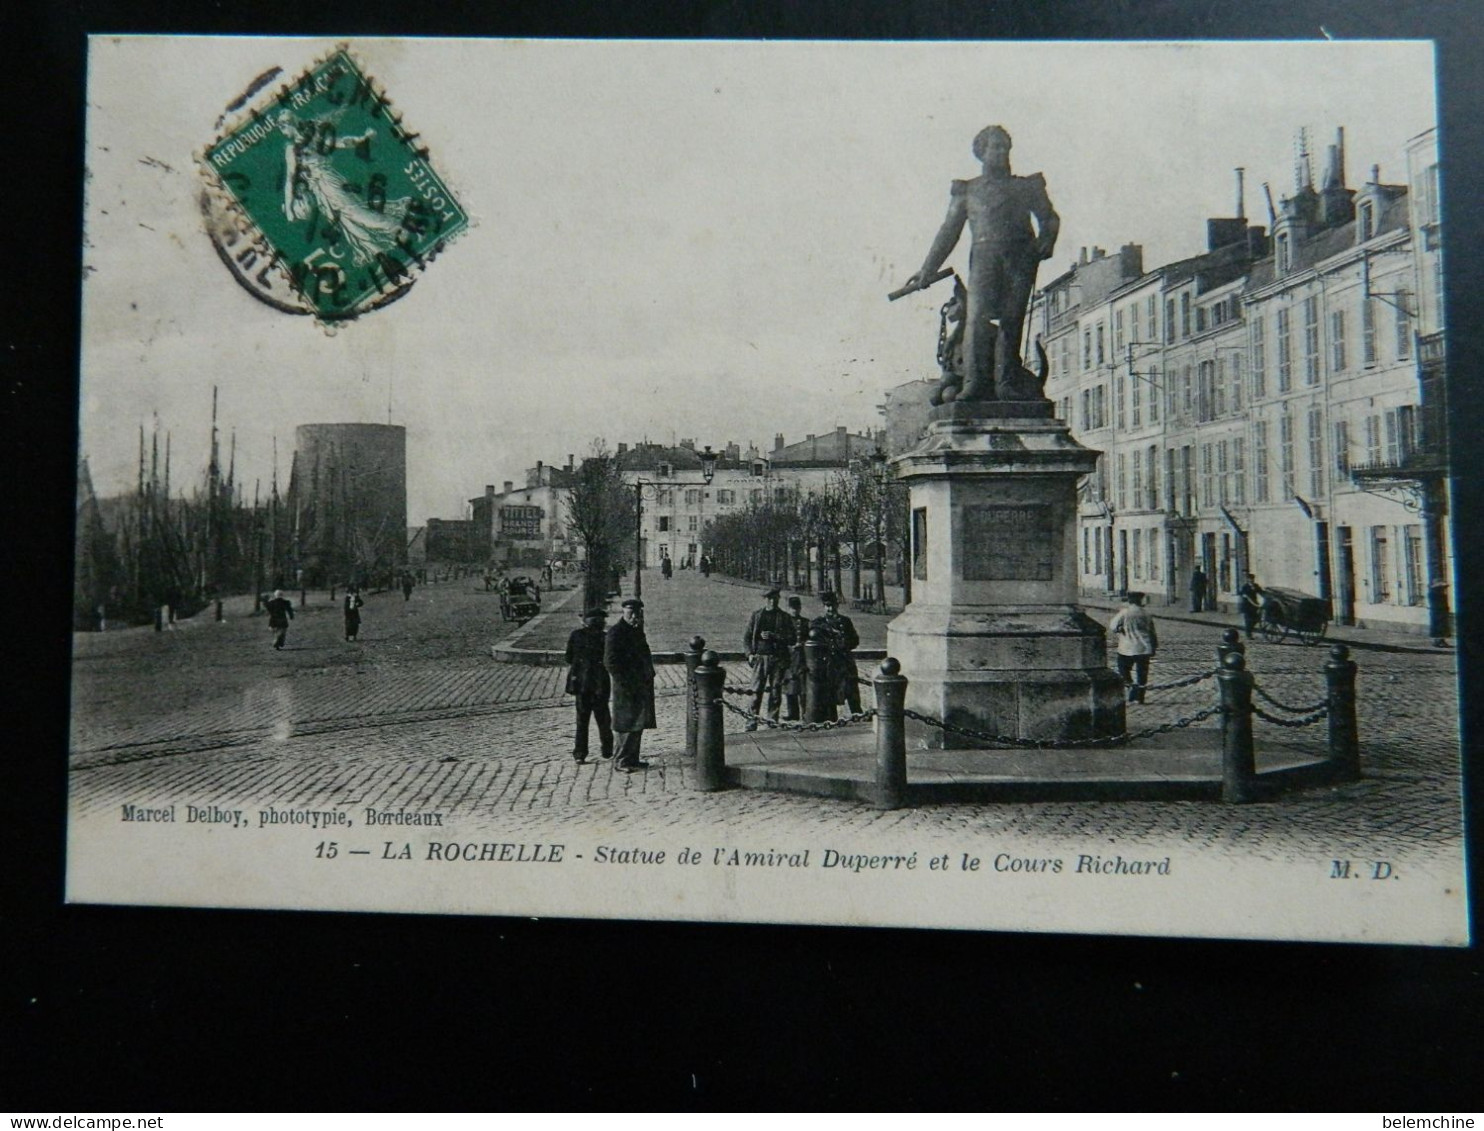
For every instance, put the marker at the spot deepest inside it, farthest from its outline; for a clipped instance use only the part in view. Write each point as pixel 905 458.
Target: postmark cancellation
pixel 321 199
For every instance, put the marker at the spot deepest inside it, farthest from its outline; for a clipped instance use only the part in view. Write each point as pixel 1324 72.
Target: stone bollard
pixel 821 705
pixel 1238 765
pixel 303 598
pixel 1344 732
pixel 692 659
pixel 1231 641
pixel 711 752
pixel 891 736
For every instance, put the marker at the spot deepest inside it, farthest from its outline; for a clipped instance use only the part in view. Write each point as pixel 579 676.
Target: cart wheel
pixel 1273 632
pixel 1312 636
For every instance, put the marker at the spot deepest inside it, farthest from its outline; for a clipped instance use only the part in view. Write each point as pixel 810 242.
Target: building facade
pixel 524 527
pixel 1273 405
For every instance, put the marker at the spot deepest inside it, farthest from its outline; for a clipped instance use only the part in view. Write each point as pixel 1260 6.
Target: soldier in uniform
pixel 631 670
pixel 588 680
pixel 796 680
pixel 839 635
pixel 768 641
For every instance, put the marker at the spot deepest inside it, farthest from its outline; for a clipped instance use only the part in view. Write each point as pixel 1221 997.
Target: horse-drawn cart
pixel 1288 610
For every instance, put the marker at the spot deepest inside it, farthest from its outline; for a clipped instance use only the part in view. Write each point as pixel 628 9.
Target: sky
pixel 668 240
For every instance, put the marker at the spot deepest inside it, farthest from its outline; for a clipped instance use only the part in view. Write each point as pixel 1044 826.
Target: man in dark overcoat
pixel 768 641
pixel 631 670
pixel 280 612
pixel 841 638
pixel 796 681
pixel 587 679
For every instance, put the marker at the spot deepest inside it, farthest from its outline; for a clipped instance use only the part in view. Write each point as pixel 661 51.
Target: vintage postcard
pixel 995 486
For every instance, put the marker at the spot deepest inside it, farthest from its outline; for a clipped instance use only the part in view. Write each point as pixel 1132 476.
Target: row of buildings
pixel 1274 404
pixel 524 527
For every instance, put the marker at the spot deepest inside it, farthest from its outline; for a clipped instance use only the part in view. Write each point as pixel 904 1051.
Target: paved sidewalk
pixel 1374 639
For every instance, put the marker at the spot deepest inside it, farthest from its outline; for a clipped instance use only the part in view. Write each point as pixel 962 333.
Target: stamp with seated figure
pixel 320 199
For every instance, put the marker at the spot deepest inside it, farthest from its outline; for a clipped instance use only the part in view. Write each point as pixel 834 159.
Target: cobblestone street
pixel 416 715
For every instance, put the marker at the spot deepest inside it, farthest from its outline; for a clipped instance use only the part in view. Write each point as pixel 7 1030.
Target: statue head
pixel 991 142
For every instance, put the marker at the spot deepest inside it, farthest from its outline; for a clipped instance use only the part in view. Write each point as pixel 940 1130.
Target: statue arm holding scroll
pixel 943 243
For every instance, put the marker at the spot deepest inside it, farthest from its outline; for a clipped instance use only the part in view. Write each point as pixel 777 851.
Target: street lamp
pixel 639 486
pixel 881 474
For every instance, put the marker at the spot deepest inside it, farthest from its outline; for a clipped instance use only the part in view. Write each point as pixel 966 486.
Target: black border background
pixel 140 1009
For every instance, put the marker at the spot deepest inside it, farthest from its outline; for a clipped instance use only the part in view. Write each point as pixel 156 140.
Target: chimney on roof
pixel 1082 257
pixel 778 442
pixel 1241 195
pixel 809 436
pixel 569 461
pixel 509 486
pixel 1337 202
pixel 839 430
pixel 1375 174
pixel 623 449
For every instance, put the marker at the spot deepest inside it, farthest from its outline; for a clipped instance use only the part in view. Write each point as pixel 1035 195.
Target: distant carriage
pixel 520 600
pixel 1288 610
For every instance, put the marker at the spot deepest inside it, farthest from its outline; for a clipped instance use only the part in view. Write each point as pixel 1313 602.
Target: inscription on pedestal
pixel 1007 543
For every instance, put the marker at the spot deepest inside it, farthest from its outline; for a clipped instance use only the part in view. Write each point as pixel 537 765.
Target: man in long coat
pixel 280 612
pixel 841 638
pixel 796 680
pixel 769 640
pixel 631 669
pixel 587 679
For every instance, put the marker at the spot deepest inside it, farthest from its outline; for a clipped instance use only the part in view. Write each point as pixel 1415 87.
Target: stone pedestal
pixel 993 640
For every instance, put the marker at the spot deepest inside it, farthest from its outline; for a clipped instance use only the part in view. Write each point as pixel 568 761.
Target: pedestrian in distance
pixel 406 585
pixel 1250 596
pixel 667 568
pixel 796 680
pixel 588 680
pixel 769 642
pixel 631 671
pixel 1137 640
pixel 840 638
pixel 1197 589
pixel 280 612
pixel 352 607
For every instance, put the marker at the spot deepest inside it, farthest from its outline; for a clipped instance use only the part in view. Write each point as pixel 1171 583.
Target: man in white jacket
pixel 1137 640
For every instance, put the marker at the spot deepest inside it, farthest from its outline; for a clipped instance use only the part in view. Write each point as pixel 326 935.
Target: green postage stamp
pixel 321 200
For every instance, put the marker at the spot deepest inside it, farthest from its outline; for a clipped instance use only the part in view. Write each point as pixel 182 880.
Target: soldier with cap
pixel 768 640
pixel 587 679
pixel 796 679
pixel 631 670
pixel 840 638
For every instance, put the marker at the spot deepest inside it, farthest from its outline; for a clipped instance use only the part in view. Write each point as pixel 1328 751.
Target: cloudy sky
pixel 670 239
